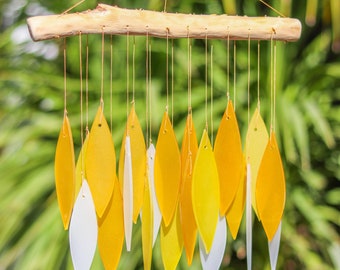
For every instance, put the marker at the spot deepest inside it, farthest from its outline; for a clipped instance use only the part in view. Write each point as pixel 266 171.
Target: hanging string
pixel 189 73
pixel 81 103
pixel 150 89
pixel 87 86
pixel 274 87
pixel 65 83
pixel 248 79
pixel 167 71
pixel 133 69
pixel 111 82
pixel 172 81
pixel 228 66
pixel 127 73
pixel 206 81
pixel 212 93
pixel 258 74
pixel 234 74
pixel 102 75
pixel 147 88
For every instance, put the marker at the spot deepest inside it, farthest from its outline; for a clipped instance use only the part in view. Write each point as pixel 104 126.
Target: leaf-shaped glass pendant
pixel 64 170
pixel 249 220
pixel 83 230
pixel 128 194
pixel 274 246
pixel 167 170
pixel 188 156
pixel 111 231
pixel 157 217
pixel 229 157
pixel 80 167
pixel 256 142
pixel 138 158
pixel 235 212
pixel 213 259
pixel 100 162
pixel 147 226
pixel 205 192
pixel 270 188
pixel 171 242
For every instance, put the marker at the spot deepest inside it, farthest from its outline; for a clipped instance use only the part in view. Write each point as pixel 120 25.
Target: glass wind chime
pixel 197 192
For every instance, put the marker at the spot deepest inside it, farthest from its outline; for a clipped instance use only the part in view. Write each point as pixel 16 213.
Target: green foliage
pixel 307 123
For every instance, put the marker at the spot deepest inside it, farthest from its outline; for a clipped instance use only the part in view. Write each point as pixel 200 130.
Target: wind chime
pixel 199 190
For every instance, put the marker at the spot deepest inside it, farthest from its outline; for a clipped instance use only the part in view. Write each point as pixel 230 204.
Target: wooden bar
pixel 118 21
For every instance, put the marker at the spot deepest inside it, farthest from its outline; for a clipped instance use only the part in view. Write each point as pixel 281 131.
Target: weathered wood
pixel 118 21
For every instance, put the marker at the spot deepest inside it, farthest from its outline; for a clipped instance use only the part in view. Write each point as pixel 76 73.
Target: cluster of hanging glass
pixel 188 194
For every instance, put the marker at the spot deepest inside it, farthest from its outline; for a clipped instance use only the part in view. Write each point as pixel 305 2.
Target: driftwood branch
pixel 118 21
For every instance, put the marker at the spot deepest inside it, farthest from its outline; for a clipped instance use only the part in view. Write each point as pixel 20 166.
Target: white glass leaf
pixel 128 194
pixel 249 221
pixel 157 217
pixel 274 246
pixel 83 229
pixel 213 259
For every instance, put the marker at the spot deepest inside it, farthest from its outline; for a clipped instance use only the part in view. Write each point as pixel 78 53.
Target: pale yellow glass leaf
pixel 188 156
pixel 171 242
pixel 235 212
pixel 147 225
pixel 80 167
pixel 111 231
pixel 138 157
pixel 167 170
pixel 229 158
pixel 64 170
pixel 256 142
pixel 100 162
pixel 270 188
pixel 205 192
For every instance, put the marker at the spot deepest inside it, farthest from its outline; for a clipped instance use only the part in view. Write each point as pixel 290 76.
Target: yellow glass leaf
pixel 147 226
pixel 229 158
pixel 111 231
pixel 100 162
pixel 167 170
pixel 205 192
pixel 138 157
pixel 80 167
pixel 171 242
pixel 188 156
pixel 270 188
pixel 256 142
pixel 235 212
pixel 64 170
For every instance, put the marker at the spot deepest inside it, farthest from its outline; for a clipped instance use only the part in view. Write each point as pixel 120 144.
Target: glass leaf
pixel 147 225
pixel 157 217
pixel 270 188
pixel 80 166
pixel 171 242
pixel 138 157
pixel 64 170
pixel 256 142
pixel 128 194
pixel 274 246
pixel 111 231
pixel 235 212
pixel 249 219
pixel 100 162
pixel 229 158
pixel 213 259
pixel 205 192
pixel 83 229
pixel 188 156
pixel 167 170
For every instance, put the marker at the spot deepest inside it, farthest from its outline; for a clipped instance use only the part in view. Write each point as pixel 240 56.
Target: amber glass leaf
pixel 64 170
pixel 229 157
pixel 138 157
pixel 270 188
pixel 205 192
pixel 111 231
pixel 256 142
pixel 147 225
pixel 235 212
pixel 188 156
pixel 171 242
pixel 100 162
pixel 167 170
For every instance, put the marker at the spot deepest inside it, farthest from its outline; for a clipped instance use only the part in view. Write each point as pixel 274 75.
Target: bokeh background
pixel 307 123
